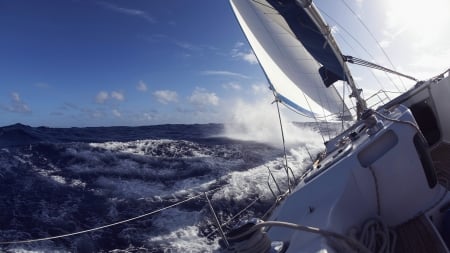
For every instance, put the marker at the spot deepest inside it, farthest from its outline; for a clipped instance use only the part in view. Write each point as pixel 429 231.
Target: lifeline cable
pixel 326 233
pixel 234 217
pixel 106 226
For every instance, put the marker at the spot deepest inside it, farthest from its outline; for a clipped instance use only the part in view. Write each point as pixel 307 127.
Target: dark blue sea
pixel 58 181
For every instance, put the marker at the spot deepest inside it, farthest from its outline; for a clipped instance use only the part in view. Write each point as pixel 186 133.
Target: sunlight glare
pixel 417 18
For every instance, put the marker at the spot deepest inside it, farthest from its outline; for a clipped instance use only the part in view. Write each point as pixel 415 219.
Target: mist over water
pixel 259 121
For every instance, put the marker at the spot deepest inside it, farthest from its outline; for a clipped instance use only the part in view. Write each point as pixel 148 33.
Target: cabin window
pixel 427 121
pixel 377 148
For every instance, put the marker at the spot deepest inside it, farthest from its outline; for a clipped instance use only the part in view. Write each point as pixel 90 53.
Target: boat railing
pixel 380 98
pixel 282 193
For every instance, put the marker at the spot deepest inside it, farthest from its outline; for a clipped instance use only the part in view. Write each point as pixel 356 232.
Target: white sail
pixel 289 67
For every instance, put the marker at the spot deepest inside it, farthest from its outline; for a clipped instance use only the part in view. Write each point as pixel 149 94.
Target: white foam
pixel 258 121
pixel 130 188
pixel 179 231
pixel 117 168
pixel 171 148
pixel 36 249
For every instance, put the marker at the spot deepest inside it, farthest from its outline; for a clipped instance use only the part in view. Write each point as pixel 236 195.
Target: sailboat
pixel 382 184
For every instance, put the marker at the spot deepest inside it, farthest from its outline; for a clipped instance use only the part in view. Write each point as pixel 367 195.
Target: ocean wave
pixel 55 188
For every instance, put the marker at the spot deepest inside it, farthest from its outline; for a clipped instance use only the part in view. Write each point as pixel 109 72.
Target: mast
pixel 314 14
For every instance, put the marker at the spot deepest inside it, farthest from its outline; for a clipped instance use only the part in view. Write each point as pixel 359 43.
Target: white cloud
pixel 410 34
pixel 165 96
pixel 15 97
pixel 418 21
pixel 239 44
pixel 201 97
pixel 141 86
pixel 104 96
pixel 249 57
pixel 95 114
pixel 223 73
pixel 116 113
pixel 259 88
pixel 246 55
pixel 101 97
pixel 186 45
pixel 232 86
pixel 131 12
pixel 117 95
pixel 148 116
pixel 422 67
pixel 359 3
pixel 17 105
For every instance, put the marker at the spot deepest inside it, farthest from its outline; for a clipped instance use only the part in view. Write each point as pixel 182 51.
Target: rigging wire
pixel 306 99
pixel 360 45
pixel 284 148
pixel 314 115
pixel 365 63
pixel 274 180
pixel 325 120
pixel 222 234
pixel 371 71
pixel 234 217
pixel 373 37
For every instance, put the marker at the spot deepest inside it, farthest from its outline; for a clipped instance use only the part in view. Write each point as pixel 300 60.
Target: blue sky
pixel 104 63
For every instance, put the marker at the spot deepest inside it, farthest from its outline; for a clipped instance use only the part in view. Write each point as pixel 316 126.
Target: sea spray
pixel 258 121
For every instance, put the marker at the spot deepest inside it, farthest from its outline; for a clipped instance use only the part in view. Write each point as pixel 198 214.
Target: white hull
pixel 380 186
pixel 378 170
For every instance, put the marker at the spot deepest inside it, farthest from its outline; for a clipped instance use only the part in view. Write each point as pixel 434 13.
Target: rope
pixel 326 233
pixel 105 226
pixel 402 122
pixel 376 236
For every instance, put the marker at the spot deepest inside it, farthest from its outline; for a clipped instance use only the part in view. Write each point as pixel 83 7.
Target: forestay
pixel 290 68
